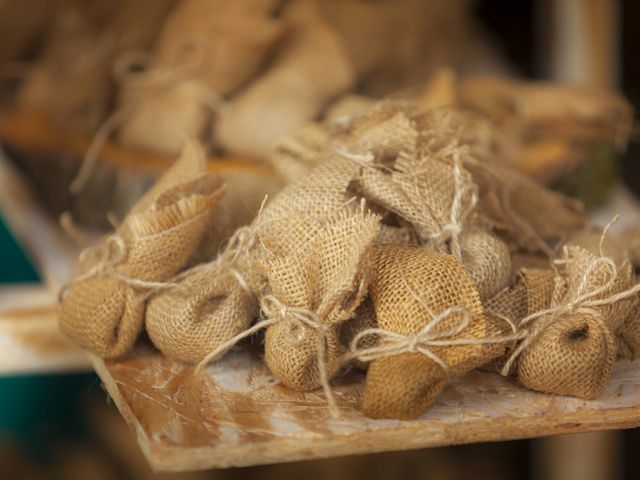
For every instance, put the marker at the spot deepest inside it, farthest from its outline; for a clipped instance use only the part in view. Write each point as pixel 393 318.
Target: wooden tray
pixel 235 414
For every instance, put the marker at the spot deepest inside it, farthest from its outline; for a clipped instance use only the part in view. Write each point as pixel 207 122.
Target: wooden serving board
pixel 236 414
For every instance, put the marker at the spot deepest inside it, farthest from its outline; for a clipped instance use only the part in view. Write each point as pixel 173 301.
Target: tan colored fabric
pixel 296 153
pixel 403 386
pixel 310 69
pixel 629 337
pixel 573 351
pixel 364 318
pixel 531 292
pixel 310 200
pixel 528 215
pixel 204 311
pixel 207 49
pixel 319 264
pixel 487 261
pixel 104 313
pixel 418 175
pixel 72 80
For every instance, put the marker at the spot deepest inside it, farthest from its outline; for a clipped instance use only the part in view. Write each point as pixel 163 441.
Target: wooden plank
pixel 30 340
pixel 235 414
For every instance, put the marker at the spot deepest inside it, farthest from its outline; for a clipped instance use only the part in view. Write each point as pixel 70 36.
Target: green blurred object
pixel 593 180
pixel 37 410
pixel 15 267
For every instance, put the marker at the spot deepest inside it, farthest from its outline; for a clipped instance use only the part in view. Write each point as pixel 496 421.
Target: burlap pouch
pixel 570 347
pixel 306 202
pixel 527 215
pixel 72 78
pixel 317 270
pixel 102 309
pixel 309 70
pixel 206 50
pixel 419 176
pixel 215 302
pixel 425 303
pixel 204 311
pixel 402 137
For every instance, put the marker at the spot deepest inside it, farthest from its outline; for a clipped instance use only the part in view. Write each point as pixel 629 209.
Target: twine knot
pixel 424 340
pixel 584 301
pixel 274 312
pixel 459 213
pixel 105 260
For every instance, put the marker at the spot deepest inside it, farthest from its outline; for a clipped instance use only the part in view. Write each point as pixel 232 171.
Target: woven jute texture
pixel 363 319
pixel 206 49
pixel 574 347
pixel 401 136
pixel 629 337
pixel 410 287
pixel 318 267
pixel 487 261
pixel 296 153
pixel 531 292
pixel 205 310
pixel 103 308
pixel 528 215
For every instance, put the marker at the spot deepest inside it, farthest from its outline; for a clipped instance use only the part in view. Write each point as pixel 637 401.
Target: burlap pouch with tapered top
pixel 103 308
pixel 317 271
pixel 426 302
pixel 571 345
pixel 420 177
pixel 201 323
pixel 399 137
pixel 194 320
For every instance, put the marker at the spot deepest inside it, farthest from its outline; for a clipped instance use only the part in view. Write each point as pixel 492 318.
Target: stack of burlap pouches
pixel 391 249
pixel 103 308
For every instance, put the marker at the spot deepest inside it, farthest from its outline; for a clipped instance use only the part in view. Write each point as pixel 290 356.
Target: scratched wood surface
pixel 236 414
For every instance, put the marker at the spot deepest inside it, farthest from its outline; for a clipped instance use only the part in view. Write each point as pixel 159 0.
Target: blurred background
pixel 58 423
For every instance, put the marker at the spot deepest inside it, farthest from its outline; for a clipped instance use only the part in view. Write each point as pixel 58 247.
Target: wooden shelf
pixel 235 414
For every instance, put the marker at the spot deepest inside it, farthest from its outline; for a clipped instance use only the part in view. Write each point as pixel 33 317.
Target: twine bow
pixel 105 265
pixel 582 302
pixel 451 231
pixel 297 319
pixel 423 341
